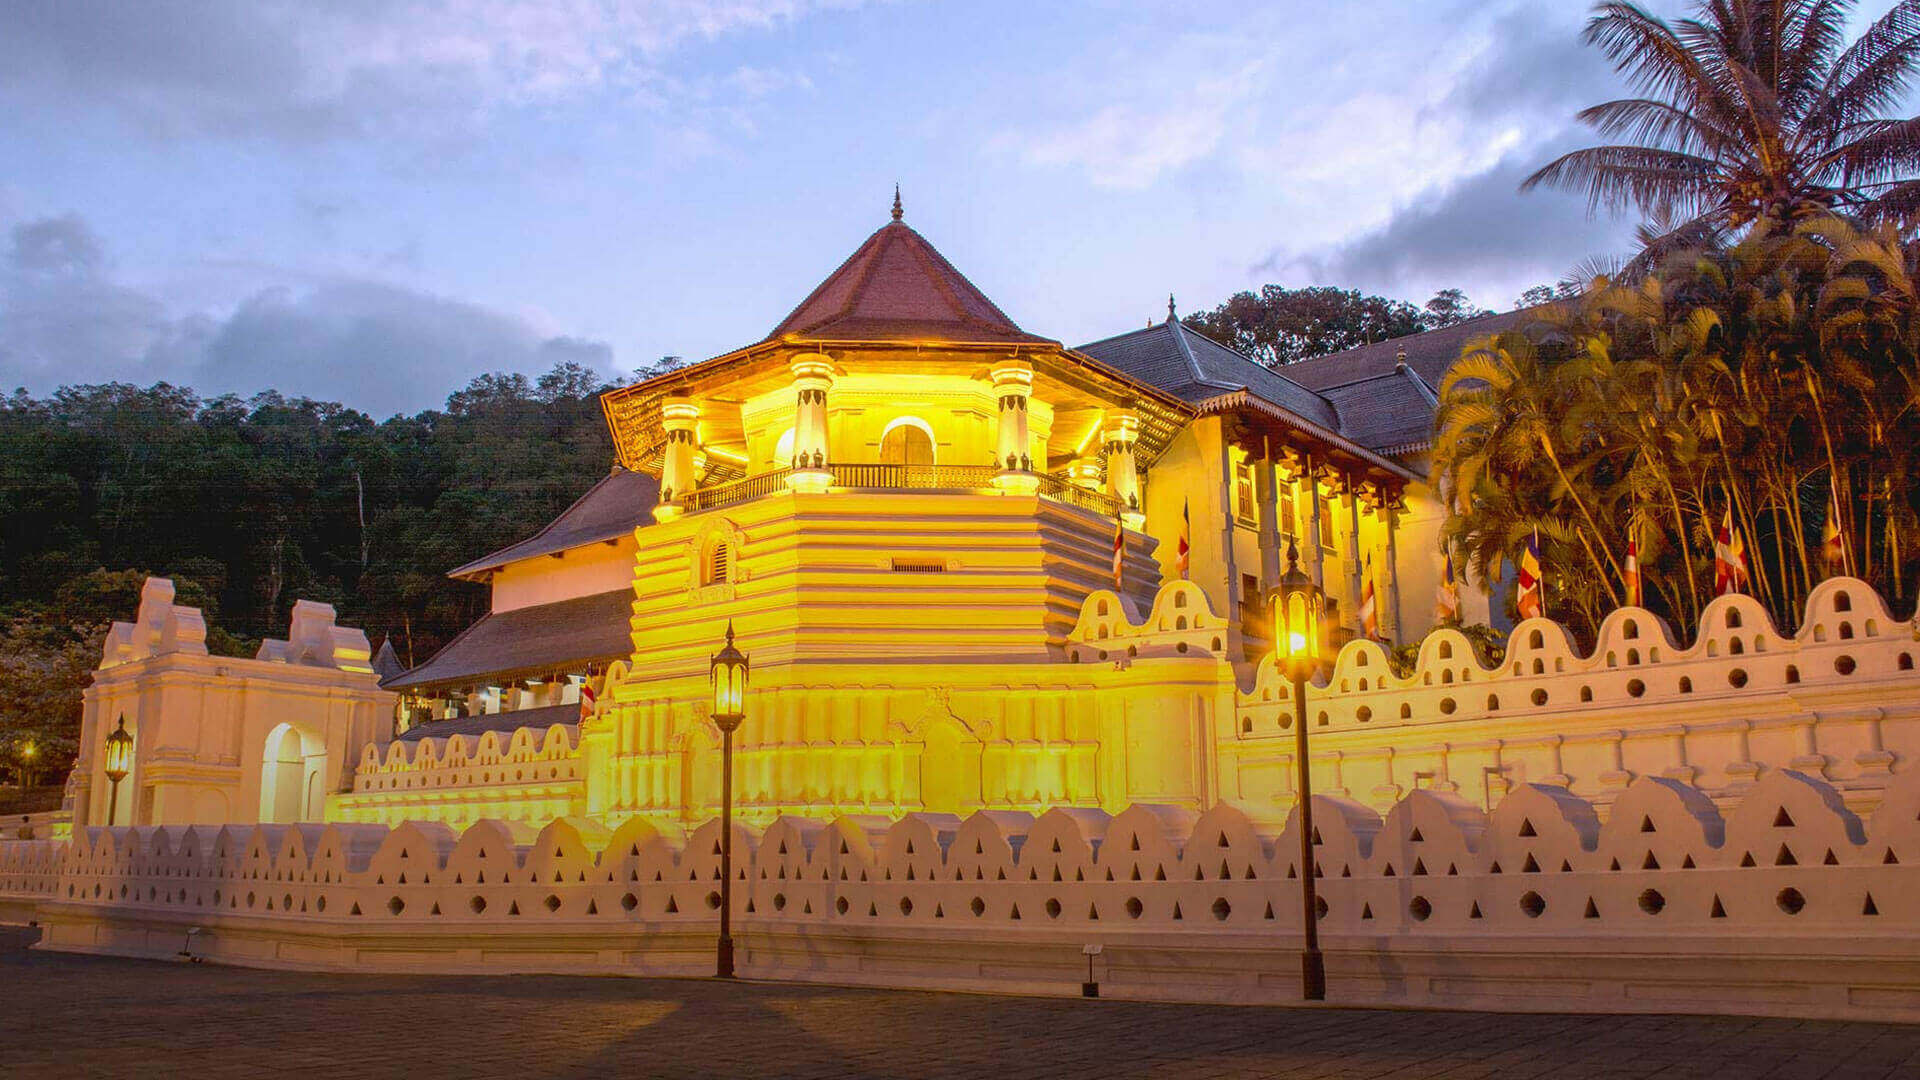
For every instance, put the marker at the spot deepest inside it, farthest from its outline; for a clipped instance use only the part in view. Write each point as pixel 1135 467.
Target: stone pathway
pixel 90 1016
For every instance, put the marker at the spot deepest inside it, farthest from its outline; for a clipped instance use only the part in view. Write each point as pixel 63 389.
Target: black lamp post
pixel 729 670
pixel 119 755
pixel 1297 606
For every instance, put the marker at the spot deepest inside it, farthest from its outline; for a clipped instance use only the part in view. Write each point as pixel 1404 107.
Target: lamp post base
pixel 1313 976
pixel 724 968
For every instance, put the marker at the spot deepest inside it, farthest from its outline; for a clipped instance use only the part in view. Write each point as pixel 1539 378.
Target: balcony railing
pixel 879 477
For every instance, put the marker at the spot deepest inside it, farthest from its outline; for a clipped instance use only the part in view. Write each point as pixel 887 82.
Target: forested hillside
pixel 251 504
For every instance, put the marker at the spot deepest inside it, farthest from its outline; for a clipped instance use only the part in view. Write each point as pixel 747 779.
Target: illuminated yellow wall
pixel 580 571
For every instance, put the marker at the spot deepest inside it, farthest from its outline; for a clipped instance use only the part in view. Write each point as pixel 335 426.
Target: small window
pixel 719 565
pixel 1245 506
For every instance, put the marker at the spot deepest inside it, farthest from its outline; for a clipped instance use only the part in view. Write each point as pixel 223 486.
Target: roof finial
pixel 1171 317
pixel 897 212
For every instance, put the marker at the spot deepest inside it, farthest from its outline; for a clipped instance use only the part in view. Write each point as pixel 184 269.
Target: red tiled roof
pixel 896 287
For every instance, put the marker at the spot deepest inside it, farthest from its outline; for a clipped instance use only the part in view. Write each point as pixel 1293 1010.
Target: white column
pixel 1266 489
pixel 1013 385
pixel 1390 505
pixel 1355 567
pixel 679 472
pixel 812 378
pixel 1310 475
pixel 1123 474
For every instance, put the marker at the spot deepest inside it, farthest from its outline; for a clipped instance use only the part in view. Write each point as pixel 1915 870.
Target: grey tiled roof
pixel 611 508
pixel 530 640
pixel 1194 367
pixel 506 722
pixel 1429 354
pixel 1390 413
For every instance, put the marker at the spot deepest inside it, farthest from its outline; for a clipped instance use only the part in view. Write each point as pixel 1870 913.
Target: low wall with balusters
pixel 1787 904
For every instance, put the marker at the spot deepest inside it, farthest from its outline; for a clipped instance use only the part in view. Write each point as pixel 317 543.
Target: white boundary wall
pixel 1788 904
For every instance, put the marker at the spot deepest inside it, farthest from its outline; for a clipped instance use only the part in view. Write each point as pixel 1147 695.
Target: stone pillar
pixel 1123 474
pixel 1315 562
pixel 679 472
pixel 812 378
pixel 1266 490
pixel 1013 385
pixel 1355 567
pixel 1391 503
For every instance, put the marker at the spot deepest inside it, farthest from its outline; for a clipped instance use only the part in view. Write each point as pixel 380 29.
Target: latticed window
pixel 719 564
pixel 1243 498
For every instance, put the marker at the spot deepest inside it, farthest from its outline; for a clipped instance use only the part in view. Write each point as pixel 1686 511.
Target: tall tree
pixel 1750 110
pixel 1278 325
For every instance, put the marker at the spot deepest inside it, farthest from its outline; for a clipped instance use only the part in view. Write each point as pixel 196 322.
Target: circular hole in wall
pixel 1790 900
pixel 1134 907
pixel 713 901
pixel 1737 678
pixel 1222 909
pixel 779 901
pixel 477 905
pixel 906 906
pixel 1652 902
pixel 1420 909
pixel 1539 698
pixel 1533 905
pixel 840 905
pixel 1320 908
pixel 1053 908
pixel 1843 664
pixel 1635 688
pixel 1447 705
pixel 979 907
pixel 629 902
pixel 395 906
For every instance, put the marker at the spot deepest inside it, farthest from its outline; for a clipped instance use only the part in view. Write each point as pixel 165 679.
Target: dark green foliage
pixel 249 505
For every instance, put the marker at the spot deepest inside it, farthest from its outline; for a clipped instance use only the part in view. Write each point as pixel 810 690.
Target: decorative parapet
pixel 315 640
pixel 158 628
pixel 466 759
pixel 1180 622
pixel 1666 876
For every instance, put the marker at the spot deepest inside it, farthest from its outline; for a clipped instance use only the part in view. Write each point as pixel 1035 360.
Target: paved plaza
pixel 90 1016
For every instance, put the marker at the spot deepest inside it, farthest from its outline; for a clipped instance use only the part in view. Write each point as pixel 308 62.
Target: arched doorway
pixel 292 772
pixel 907 441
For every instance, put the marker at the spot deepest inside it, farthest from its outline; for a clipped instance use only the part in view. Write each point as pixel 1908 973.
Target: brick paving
pixel 92 1016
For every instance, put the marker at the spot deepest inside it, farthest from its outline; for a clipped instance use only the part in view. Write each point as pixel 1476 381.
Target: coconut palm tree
pixel 1751 110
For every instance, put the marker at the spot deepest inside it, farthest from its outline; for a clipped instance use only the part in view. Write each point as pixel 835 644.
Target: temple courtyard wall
pixel 1145 706
pixel 1788 904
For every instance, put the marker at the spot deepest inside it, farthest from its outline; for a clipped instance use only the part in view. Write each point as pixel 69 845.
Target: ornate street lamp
pixel 1297 606
pixel 119 755
pixel 729 670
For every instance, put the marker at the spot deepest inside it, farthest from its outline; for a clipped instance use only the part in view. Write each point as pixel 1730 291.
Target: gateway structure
pixel 978 570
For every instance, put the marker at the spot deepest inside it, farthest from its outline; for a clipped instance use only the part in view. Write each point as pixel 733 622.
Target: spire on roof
pixel 897 212
pixel 1171 317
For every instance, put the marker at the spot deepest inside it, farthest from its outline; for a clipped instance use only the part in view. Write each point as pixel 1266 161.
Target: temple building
pixel 903 502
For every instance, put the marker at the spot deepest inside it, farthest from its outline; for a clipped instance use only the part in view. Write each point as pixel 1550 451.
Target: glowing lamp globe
pixel 729 670
pixel 119 753
pixel 1297 605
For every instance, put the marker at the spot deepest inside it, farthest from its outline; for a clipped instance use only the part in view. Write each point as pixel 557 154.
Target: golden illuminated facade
pixel 908 507
pixel 903 503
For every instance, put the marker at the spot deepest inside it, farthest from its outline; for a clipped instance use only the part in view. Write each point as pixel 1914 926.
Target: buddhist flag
pixel 1633 569
pixel 1369 611
pixel 1119 552
pixel 1532 596
pixel 1729 558
pixel 1833 543
pixel 1181 553
pixel 1446 605
pixel 586 699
